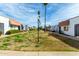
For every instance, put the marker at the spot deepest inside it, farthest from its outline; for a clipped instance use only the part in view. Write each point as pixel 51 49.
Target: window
pixel 66 28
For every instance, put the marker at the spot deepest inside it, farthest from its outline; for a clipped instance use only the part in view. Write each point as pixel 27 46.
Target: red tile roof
pixel 64 23
pixel 14 22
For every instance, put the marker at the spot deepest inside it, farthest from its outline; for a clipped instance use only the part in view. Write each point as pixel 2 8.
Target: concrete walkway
pixel 71 37
pixel 20 53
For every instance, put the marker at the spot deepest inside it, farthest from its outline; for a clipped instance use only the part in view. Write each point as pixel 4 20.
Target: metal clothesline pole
pixel 38 21
pixel 45 4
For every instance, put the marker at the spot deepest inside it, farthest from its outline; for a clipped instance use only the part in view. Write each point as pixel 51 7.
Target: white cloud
pixel 65 13
pixel 26 15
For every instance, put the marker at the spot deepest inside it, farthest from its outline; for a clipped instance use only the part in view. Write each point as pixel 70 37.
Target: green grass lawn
pixel 28 42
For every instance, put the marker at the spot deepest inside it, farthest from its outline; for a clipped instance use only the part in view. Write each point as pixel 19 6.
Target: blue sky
pixel 26 13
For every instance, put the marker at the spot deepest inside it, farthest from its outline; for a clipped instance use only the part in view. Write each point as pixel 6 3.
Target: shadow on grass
pixel 71 42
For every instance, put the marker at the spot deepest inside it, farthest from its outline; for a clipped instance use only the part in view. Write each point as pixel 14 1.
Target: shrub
pixel 6 40
pixel 37 45
pixel 18 38
pixel 6 43
pixel 4 46
pixel 12 31
pixel 0 33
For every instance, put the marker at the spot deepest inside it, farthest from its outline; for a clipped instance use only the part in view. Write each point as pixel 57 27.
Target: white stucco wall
pixel 6 23
pixel 71 30
pixel 14 28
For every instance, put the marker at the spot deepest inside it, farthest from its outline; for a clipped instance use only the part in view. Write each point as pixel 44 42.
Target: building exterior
pixel 8 24
pixel 70 26
pixel 56 28
pixel 15 25
pixel 25 27
pixel 52 28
